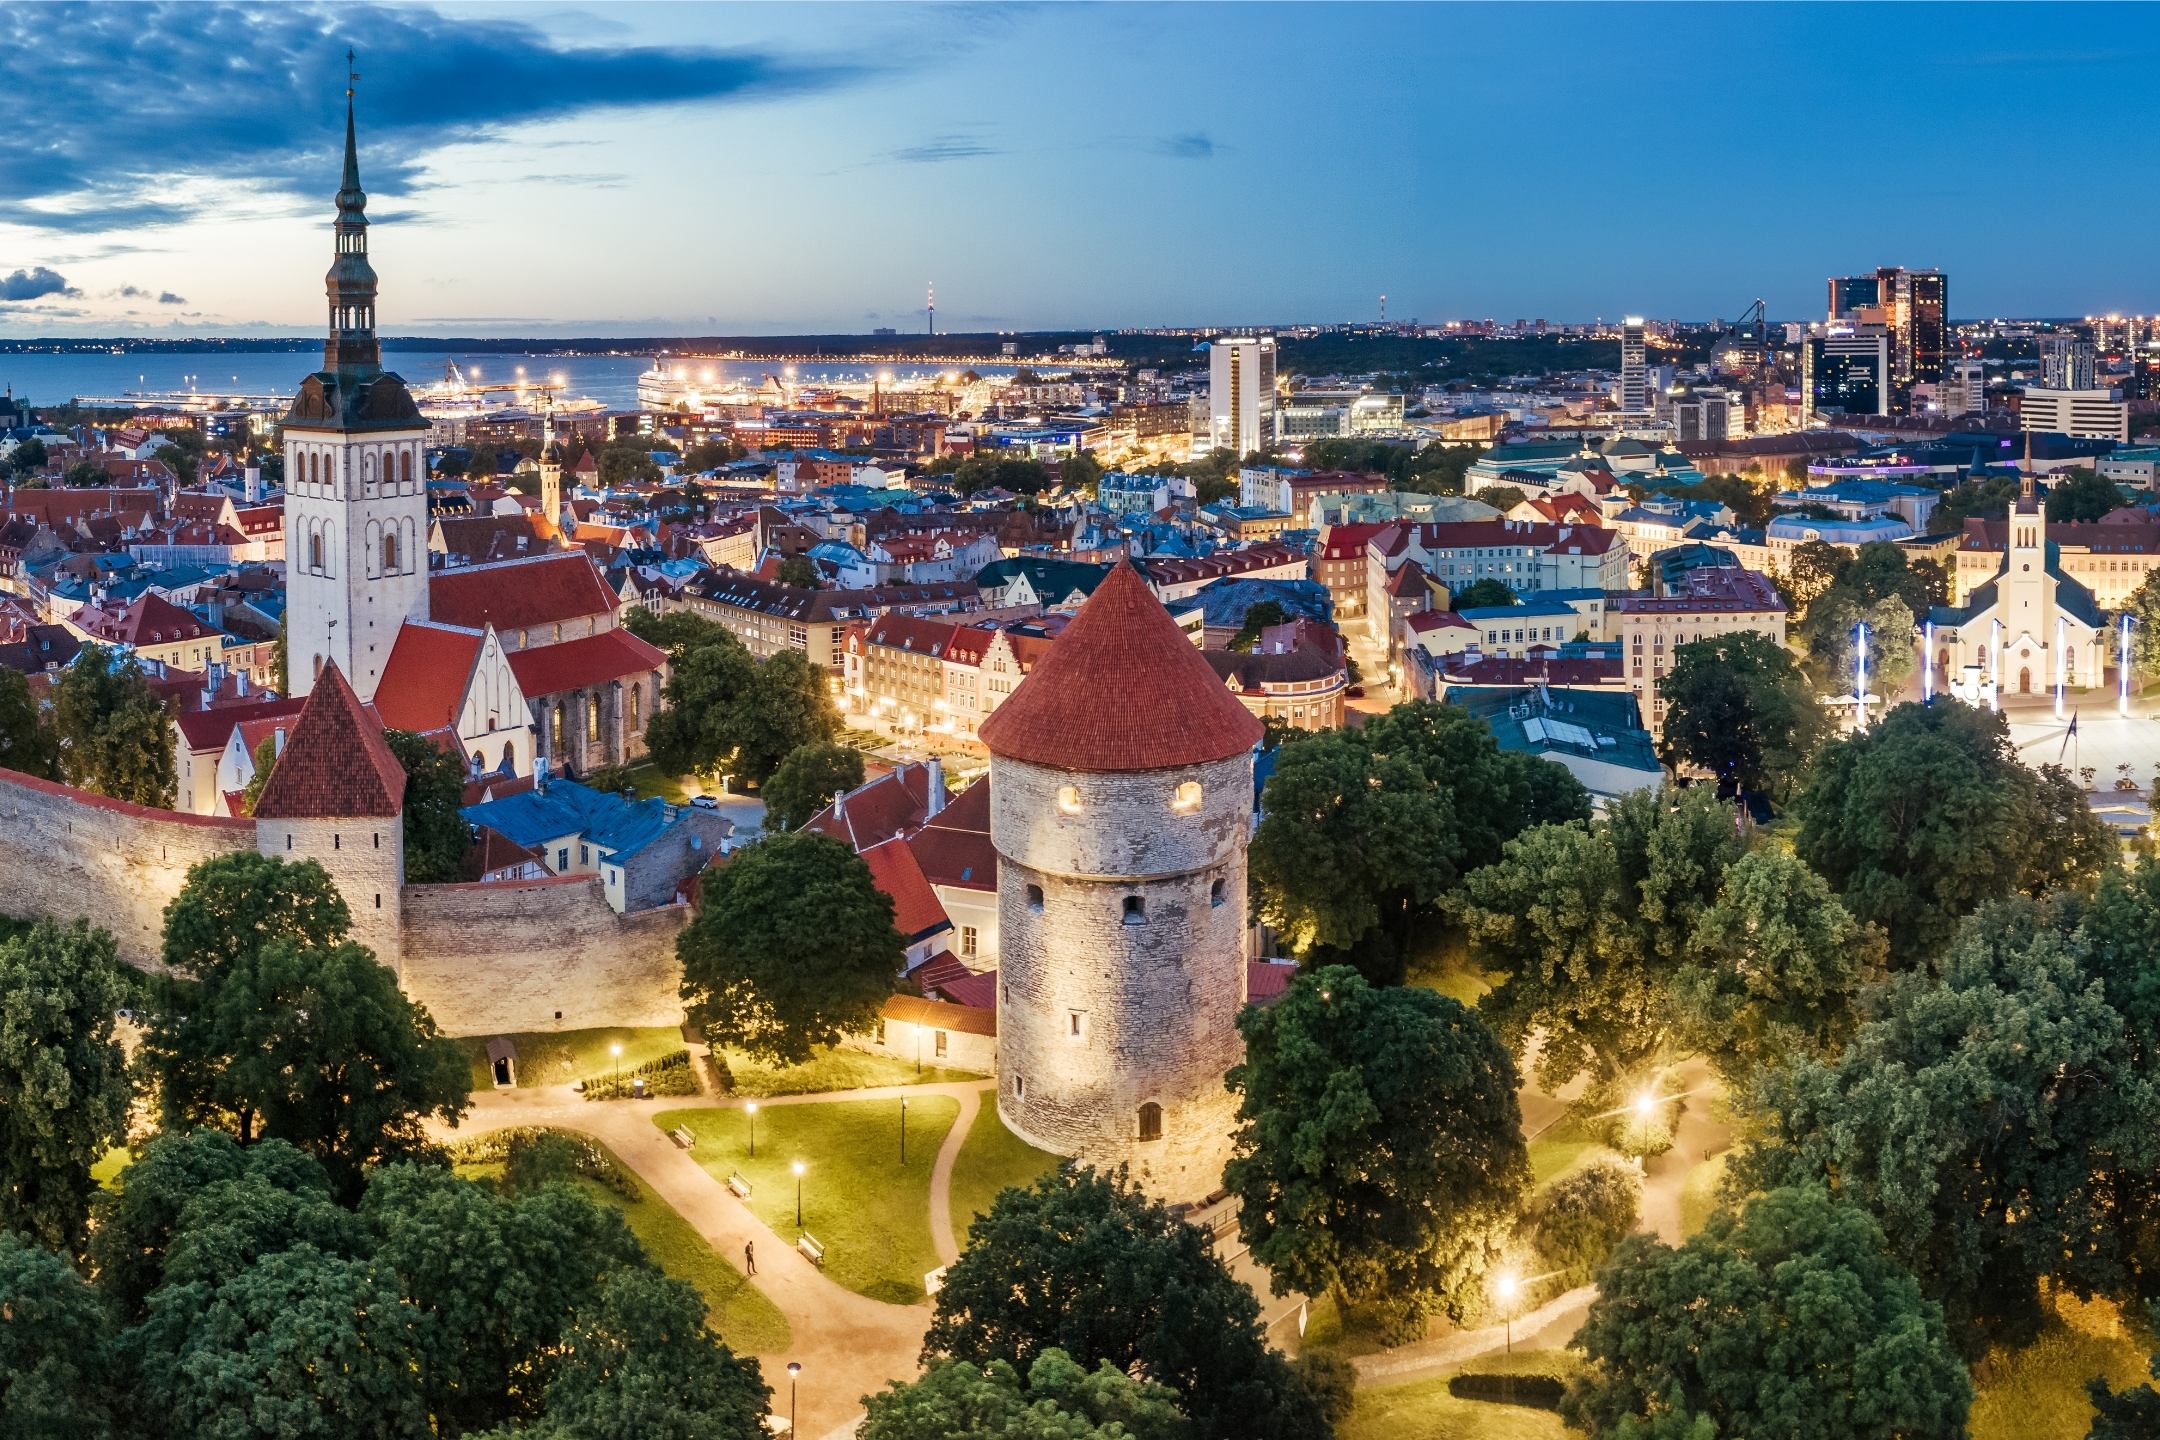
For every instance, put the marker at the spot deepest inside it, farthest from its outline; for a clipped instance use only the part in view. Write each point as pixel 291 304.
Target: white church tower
pixel 355 481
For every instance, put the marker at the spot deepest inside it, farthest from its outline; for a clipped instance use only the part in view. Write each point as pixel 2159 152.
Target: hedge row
pixel 669 1075
pixel 588 1157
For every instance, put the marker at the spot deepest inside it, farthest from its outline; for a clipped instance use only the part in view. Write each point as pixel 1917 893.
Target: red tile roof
pixel 1123 689
pixel 335 763
pixel 589 660
pixel 426 677
pixel 916 911
pixel 206 730
pixel 878 809
pixel 954 849
pixel 518 594
pixel 937 1015
pixel 151 620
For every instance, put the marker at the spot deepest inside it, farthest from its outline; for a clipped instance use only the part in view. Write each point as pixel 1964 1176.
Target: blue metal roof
pixel 616 825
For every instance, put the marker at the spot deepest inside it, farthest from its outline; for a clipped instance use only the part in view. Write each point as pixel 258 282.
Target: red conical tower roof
pixel 335 764
pixel 1121 689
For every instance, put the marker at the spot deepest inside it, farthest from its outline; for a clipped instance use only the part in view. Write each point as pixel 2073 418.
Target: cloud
pixel 34 284
pixel 166 297
pixel 253 91
pixel 1192 145
pixel 941 148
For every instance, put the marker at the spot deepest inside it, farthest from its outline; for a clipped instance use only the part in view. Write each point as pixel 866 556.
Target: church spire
pixel 351 346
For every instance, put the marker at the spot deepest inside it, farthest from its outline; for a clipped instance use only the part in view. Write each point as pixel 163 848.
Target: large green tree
pixel 792 946
pixel 1918 819
pixel 806 781
pixel 319 1046
pixel 1832 636
pixel 113 733
pixel 1786 1321
pixel 27 743
pixel 56 1359
pixel 2079 493
pixel 723 710
pixel 1379 1147
pixel 639 1364
pixel 436 835
pixel 1058 1400
pixel 1998 1122
pixel 300 1345
pixel 1364 832
pixel 1589 924
pixel 63 1077
pixel 1082 1263
pixel 1775 968
pixel 1737 706
pixel 2131 1413
pixel 1481 594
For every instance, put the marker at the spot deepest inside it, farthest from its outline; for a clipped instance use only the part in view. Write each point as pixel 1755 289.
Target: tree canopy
pixel 1918 819
pixel 1058 1400
pixel 1737 706
pixel 724 710
pixel 1589 924
pixel 63 1077
pixel 1786 1321
pixel 1365 831
pixel 2080 493
pixel 792 946
pixel 27 743
pixel 112 731
pixel 436 835
pixel 1998 1122
pixel 1379 1146
pixel 1081 1263
pixel 805 782
pixel 1479 594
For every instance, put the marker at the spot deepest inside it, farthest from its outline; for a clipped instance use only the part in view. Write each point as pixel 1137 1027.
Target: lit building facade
pixel 1241 393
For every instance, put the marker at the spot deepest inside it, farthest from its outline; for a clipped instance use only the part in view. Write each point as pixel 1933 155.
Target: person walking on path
pixel 749 1255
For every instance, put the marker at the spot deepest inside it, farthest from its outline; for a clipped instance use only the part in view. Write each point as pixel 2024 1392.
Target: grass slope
pixel 991 1159
pixel 837 1068
pixel 562 1056
pixel 872 1215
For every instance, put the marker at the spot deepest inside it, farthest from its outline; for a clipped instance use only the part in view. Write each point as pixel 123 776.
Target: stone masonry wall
pixel 67 854
pixel 549 954
pixel 1098 1014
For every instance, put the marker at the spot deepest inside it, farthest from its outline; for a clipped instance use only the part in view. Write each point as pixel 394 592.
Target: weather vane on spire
pixel 352 76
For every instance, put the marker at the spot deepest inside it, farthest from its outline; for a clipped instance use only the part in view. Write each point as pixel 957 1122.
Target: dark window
pixel 1151 1121
pixel 1215 893
pixel 1034 897
pixel 1135 909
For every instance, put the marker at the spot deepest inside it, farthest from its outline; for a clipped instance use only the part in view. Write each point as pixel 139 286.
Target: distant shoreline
pixel 988 346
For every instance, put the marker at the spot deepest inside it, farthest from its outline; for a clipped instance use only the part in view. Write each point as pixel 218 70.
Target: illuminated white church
pixel 2025 630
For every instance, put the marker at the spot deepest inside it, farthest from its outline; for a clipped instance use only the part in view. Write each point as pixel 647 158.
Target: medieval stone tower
pixel 337 797
pixel 355 480
pixel 1121 776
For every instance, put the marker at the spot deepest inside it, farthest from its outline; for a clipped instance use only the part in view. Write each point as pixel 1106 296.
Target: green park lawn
pixel 1423 1410
pixel 1566 1147
pixel 991 1159
pixel 650 783
pixel 836 1068
pixel 871 1214
pixel 107 1170
pixel 559 1057
pixel 1444 965
pixel 1698 1193
pixel 2038 1393
pixel 735 1309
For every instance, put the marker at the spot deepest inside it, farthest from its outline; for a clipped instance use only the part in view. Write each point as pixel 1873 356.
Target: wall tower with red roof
pixel 1121 773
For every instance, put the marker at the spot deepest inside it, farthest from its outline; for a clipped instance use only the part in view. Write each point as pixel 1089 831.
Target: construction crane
pixel 1749 333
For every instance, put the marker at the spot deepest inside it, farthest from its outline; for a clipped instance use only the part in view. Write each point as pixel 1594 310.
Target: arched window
pixel 314 552
pixel 1215 893
pixel 592 716
pixel 405 467
pixel 555 726
pixel 632 695
pixel 1151 1121
pixel 1035 898
pixel 390 553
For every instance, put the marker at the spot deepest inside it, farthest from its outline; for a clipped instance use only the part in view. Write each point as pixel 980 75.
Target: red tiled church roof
pixel 1123 689
pixel 586 661
pixel 335 763
pixel 424 681
pixel 518 594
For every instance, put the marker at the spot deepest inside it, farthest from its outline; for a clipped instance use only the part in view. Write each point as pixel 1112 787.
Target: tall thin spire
pixel 351 345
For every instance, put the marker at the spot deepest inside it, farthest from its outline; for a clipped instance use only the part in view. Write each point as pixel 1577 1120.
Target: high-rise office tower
pixel 1241 393
pixel 1845 373
pixel 2067 362
pixel 1913 305
pixel 1634 367
pixel 1964 388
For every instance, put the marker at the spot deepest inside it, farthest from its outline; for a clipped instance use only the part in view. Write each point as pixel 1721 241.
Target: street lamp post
pixel 798 1194
pixel 615 1053
pixel 903 1130
pixel 750 1109
pixel 794 1373
pixel 1506 1287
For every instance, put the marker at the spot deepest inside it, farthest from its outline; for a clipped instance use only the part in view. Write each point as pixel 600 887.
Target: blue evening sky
pixel 654 168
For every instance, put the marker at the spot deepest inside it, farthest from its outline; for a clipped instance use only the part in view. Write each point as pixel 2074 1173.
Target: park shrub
pixel 1539 1389
pixel 670 1074
pixel 534 1154
pixel 1575 1222
pixel 1330 1379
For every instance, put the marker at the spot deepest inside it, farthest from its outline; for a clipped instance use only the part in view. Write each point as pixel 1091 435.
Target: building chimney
pixel 936 787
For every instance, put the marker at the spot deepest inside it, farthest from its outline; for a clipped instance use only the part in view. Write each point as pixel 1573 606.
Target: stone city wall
pixel 67 854
pixel 521 955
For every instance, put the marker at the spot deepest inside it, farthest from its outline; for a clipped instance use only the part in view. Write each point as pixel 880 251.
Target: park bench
pixel 738 1186
pixel 681 1136
pixel 812 1250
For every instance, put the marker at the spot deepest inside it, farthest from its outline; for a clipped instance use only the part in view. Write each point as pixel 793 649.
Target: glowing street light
pixel 1646 1107
pixel 794 1373
pixel 615 1052
pixel 1860 676
pixel 751 1109
pixel 903 1131
pixel 1507 1287
pixel 2122 669
pixel 798 1167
